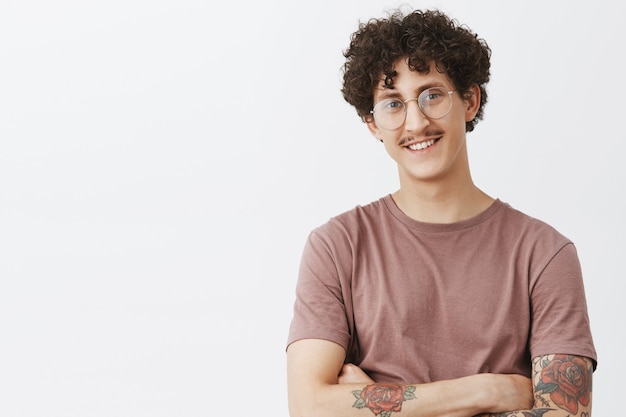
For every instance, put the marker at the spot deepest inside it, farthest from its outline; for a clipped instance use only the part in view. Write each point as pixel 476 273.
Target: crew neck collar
pixel 440 227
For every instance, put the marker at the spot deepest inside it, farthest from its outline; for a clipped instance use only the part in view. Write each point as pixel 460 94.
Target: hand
pixel 352 374
pixel 506 392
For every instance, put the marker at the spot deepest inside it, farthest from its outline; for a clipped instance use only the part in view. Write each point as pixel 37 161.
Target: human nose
pixel 415 119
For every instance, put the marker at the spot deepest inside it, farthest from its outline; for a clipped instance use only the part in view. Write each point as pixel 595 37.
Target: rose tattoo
pixel 567 380
pixel 382 399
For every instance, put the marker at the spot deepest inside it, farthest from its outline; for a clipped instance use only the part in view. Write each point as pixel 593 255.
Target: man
pixel 436 300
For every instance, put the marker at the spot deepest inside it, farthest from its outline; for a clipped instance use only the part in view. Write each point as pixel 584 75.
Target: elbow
pixel 312 404
pixel 307 409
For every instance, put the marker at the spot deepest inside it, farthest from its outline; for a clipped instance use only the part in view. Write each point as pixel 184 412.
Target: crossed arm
pixel 320 384
pixel 561 386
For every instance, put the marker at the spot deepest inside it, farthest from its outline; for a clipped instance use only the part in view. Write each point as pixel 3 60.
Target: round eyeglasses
pixel 434 103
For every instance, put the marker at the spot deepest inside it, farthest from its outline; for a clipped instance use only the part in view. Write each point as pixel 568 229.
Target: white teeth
pixel 422 145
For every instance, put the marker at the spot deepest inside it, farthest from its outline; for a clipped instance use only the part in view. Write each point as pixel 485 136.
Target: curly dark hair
pixel 421 37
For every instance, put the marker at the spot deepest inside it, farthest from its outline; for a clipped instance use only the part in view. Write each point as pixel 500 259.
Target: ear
pixel 472 103
pixel 371 126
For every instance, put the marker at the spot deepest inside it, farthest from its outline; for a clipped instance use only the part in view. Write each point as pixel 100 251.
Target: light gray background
pixel 162 162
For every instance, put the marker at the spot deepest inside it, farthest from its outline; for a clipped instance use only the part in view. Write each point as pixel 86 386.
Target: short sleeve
pixel 560 322
pixel 319 308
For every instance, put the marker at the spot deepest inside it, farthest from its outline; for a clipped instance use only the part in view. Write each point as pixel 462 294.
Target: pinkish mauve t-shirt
pixel 417 302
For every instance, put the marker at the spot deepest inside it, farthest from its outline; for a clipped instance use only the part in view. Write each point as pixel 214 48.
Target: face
pixel 426 149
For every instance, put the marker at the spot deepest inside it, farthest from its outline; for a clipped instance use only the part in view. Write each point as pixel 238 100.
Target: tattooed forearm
pixel 383 399
pixel 566 379
pixel 562 387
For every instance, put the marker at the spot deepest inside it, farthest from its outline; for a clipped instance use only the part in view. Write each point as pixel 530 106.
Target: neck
pixel 433 202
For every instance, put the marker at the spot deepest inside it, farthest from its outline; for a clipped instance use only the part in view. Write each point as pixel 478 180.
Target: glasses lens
pixel 435 102
pixel 389 114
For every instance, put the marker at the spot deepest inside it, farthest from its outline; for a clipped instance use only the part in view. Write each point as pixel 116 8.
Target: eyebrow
pixel 388 93
pixel 391 92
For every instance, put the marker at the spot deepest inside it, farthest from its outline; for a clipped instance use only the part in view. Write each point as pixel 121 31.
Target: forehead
pixel 408 83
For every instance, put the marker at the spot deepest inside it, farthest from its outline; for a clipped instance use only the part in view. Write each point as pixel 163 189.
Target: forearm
pixel 463 397
pixel 562 388
pixel 320 384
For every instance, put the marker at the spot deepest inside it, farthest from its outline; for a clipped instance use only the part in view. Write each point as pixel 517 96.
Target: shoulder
pixel 529 227
pixel 535 242
pixel 345 234
pixel 355 221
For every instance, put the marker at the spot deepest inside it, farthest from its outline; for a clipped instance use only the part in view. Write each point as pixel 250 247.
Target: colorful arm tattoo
pixel 562 386
pixel 566 379
pixel 383 399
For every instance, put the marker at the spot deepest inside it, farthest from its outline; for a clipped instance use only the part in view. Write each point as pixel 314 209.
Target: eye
pixel 432 95
pixel 391 105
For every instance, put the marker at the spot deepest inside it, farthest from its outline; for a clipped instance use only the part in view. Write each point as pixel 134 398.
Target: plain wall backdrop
pixel 162 162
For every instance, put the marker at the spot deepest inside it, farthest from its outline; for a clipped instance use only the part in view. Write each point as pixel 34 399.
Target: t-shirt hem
pixel 575 351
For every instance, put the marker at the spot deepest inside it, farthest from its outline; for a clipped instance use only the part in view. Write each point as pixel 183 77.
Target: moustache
pixel 429 134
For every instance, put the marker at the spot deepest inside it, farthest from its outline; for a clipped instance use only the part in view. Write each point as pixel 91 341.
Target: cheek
pixel 389 149
pixel 387 139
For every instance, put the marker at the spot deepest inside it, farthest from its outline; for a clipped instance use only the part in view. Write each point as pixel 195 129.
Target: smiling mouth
pixel 423 145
